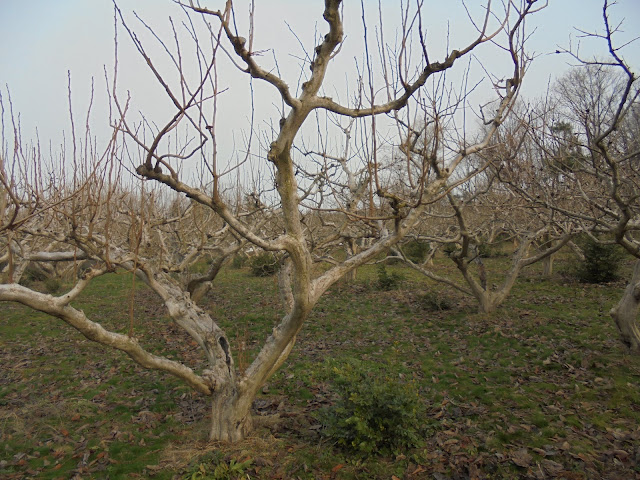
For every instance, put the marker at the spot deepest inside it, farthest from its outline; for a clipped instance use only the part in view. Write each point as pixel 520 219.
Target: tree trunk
pixel 625 313
pixel 350 277
pixel 489 301
pixel 547 266
pixel 351 247
pixel 230 416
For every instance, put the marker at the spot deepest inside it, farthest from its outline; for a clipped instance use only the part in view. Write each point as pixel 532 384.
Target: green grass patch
pixel 544 374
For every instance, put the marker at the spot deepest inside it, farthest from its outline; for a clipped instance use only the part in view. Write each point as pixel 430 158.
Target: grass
pixel 544 375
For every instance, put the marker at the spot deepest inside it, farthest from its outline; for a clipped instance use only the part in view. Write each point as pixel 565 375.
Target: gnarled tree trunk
pixel 625 313
pixel 488 301
pixel 230 415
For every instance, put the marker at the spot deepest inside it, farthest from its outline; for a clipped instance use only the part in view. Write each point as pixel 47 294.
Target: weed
pixel 435 302
pixel 450 248
pixel 543 371
pixel 218 468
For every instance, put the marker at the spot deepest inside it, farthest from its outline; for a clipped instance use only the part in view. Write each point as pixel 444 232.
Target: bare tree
pixel 290 206
pixel 483 214
pixel 588 138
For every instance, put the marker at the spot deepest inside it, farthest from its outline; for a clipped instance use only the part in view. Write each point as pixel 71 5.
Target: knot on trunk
pixel 142 170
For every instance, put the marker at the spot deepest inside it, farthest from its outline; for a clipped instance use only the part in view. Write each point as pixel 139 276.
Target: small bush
pixel 450 248
pixel 264 264
pixel 601 263
pixel 32 274
pixel 52 285
pixel 490 251
pixel 388 282
pixel 434 301
pixel 374 413
pixel 239 261
pixel 416 250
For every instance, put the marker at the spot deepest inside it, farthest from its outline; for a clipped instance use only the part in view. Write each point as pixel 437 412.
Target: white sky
pixel 43 39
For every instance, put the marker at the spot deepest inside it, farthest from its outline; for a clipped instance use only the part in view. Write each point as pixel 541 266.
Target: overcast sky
pixel 44 39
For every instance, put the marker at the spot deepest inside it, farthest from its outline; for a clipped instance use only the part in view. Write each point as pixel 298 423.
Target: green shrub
pixel 416 250
pixel 450 248
pixel 239 261
pixel 490 251
pixel 434 301
pixel 374 413
pixel 52 285
pixel 601 263
pixel 386 281
pixel 264 264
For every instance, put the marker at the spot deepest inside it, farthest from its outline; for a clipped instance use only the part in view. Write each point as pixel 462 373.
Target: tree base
pixel 231 420
pixel 625 313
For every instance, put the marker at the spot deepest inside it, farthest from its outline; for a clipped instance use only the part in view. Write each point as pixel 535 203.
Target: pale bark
pixel 547 262
pixel 230 416
pixel 284 285
pixel 58 307
pixel 547 266
pixel 199 286
pixel 231 399
pixel 351 249
pixel 625 313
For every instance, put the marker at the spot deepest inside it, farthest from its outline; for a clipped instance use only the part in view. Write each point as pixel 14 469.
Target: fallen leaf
pixel 418 470
pixel 551 467
pixel 621 454
pixel 521 458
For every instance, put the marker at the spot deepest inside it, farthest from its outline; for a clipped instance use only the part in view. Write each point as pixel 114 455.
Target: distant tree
pixel 589 135
pixel 481 214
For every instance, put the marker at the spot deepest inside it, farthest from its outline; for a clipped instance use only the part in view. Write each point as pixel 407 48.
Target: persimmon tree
pixel 601 101
pixel 479 216
pixel 305 195
pixel 587 137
